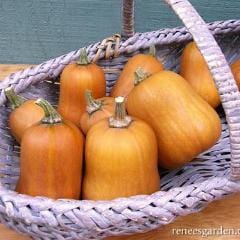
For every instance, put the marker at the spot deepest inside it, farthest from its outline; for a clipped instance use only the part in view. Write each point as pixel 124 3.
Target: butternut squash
pixel 51 157
pixel 195 70
pixel 185 124
pixel 125 82
pixel 25 113
pixel 75 79
pixel 121 158
pixel 235 67
pixel 96 110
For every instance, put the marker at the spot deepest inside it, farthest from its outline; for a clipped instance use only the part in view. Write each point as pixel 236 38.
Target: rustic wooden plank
pixel 34 31
pixel 7 234
pixel 6 69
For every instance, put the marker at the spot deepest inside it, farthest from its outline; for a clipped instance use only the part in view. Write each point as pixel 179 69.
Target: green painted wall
pixel 32 31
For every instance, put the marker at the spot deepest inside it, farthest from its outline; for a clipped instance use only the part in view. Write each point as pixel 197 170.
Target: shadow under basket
pixel 210 176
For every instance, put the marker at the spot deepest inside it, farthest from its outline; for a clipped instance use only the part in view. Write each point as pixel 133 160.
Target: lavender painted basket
pixel 210 176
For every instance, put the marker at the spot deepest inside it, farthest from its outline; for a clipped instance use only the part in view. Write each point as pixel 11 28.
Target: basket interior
pixel 212 163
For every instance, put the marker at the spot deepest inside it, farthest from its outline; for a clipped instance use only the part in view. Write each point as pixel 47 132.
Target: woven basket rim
pixel 83 205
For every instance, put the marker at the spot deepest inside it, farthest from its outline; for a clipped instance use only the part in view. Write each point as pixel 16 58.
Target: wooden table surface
pixel 223 213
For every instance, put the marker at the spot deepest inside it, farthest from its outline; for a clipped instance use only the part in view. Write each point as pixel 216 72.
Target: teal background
pixel 32 31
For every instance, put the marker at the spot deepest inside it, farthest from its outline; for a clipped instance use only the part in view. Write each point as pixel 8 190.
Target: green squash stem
pixel 120 119
pixel 51 115
pixel 140 75
pixel 152 51
pixel 15 100
pixel 93 105
pixel 83 58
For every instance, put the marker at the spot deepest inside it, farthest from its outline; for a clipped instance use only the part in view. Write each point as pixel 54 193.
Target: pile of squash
pixel 100 148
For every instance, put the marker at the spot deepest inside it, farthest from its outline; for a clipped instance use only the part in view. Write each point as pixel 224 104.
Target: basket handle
pixel 127 18
pixel 217 64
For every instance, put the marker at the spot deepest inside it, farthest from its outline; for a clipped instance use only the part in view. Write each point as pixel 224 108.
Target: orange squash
pixel 97 109
pixel 74 80
pixel 120 158
pixel 125 83
pixel 195 70
pixel 51 157
pixel 235 67
pixel 185 124
pixel 25 114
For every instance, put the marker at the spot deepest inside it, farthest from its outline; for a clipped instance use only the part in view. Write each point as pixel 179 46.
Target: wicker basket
pixel 210 176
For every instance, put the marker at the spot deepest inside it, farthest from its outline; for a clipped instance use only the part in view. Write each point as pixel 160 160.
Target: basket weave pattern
pixel 183 190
